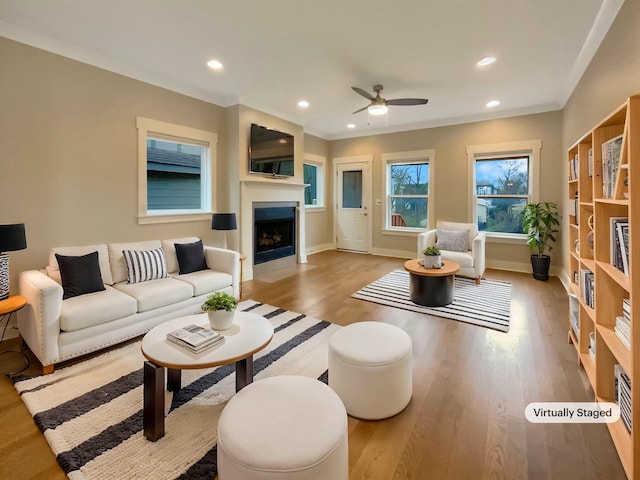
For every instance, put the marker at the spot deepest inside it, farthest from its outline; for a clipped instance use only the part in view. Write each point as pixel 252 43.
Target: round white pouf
pixel 370 369
pixel 285 427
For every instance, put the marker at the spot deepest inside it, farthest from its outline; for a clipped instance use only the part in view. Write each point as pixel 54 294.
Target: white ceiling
pixel 276 52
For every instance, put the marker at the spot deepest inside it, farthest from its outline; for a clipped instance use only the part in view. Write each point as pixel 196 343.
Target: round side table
pixel 7 308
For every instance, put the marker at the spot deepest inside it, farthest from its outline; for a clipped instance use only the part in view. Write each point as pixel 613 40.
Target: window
pixel 313 176
pixel 175 166
pixel 503 179
pixel 407 181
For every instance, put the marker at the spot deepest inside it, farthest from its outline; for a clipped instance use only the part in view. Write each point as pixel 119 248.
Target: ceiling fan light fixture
pixel 377 110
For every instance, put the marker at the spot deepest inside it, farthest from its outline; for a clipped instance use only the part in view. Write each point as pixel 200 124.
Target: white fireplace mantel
pixel 271 190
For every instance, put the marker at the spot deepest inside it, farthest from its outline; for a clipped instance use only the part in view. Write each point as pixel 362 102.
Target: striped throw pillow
pixel 143 265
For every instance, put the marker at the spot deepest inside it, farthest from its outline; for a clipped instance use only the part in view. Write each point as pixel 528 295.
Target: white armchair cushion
pixel 205 281
pixel 453 240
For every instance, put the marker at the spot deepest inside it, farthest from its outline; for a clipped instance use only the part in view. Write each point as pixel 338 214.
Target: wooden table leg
pixel 174 379
pixel 153 401
pixel 244 372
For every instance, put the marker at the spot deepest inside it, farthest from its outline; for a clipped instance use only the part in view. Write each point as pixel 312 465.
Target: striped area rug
pixel 487 305
pixel 91 412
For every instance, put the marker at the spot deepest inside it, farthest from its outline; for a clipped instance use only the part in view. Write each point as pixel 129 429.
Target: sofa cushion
pixel 116 258
pixel 453 240
pixel 464 259
pixel 53 270
pixel 145 265
pixel 156 293
pixel 191 257
pixel 205 281
pixel 79 275
pixel 472 227
pixel 95 309
pixel 169 247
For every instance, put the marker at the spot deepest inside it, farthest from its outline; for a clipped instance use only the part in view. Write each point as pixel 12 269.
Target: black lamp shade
pixel 12 237
pixel 223 221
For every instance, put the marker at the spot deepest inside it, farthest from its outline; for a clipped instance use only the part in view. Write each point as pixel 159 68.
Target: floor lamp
pixel 224 221
pixel 12 237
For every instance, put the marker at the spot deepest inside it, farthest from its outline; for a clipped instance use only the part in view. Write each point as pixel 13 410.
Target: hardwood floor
pixel 471 386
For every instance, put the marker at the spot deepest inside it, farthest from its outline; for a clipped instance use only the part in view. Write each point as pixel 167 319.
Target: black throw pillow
pixel 191 257
pixel 80 275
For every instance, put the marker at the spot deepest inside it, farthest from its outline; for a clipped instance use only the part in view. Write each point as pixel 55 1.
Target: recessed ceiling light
pixel 483 62
pixel 351 125
pixel 303 104
pixel 493 103
pixel 214 64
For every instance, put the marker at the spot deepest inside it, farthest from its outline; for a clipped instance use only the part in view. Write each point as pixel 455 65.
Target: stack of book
pixel 586 287
pixel 623 324
pixel 623 395
pixel 574 164
pixel 619 242
pixel 195 338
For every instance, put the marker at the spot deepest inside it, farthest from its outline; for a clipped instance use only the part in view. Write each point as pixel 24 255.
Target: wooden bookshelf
pixel 599 188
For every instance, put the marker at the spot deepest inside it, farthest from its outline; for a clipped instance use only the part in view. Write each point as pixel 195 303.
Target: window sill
pixel 403 233
pixel 315 208
pixel 173 218
pixel 506 238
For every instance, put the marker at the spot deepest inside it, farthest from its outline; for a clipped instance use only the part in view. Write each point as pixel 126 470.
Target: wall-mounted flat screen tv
pixel 270 152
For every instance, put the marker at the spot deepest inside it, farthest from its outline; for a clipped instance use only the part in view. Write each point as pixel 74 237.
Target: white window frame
pixel 149 128
pixel 394 158
pixel 530 148
pixel 320 163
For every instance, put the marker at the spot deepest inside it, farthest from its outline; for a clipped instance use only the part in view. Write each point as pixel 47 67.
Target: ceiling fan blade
pixel 363 108
pixel 407 101
pixel 362 92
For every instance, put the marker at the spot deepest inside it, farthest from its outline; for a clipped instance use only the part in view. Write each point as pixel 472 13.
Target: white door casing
pixel 353 189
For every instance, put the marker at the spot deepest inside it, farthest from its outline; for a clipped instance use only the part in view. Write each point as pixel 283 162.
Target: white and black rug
pixel 487 305
pixel 91 412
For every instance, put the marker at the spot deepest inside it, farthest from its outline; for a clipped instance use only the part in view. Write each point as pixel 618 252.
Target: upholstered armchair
pixel 458 242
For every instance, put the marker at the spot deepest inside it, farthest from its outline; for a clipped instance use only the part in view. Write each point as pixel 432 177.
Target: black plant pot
pixel 540 265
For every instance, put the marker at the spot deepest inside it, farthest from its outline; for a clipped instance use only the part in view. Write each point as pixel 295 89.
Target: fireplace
pixel 274 231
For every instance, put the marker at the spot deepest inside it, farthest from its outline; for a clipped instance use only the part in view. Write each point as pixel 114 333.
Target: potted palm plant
pixel 540 222
pixel 221 308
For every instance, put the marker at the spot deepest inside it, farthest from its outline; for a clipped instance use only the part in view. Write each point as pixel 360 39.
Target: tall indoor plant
pixel 540 222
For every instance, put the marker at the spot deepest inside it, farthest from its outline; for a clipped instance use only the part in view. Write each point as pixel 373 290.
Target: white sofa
pixel 471 260
pixel 57 330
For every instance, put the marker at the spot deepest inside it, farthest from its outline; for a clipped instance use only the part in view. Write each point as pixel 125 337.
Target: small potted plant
pixel 432 257
pixel 540 222
pixel 221 308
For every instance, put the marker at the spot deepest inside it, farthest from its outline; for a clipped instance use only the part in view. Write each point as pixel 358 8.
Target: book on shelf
pixel 586 287
pixel 195 337
pixel 611 150
pixel 574 166
pixel 623 238
pixel 617 250
pixel 622 389
pixel 590 163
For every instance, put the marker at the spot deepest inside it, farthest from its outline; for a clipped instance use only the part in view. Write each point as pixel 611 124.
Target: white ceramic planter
pixel 220 319
pixel 432 261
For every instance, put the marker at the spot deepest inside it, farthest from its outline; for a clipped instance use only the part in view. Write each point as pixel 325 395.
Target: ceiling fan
pixel 379 105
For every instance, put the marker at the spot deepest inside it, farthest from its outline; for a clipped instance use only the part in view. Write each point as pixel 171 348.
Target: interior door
pixel 352 211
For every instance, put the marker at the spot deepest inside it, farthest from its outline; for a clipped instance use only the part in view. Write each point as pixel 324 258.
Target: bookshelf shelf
pixel 603 165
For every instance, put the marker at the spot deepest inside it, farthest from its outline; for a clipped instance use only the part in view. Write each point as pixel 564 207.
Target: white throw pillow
pixel 452 240
pixel 143 265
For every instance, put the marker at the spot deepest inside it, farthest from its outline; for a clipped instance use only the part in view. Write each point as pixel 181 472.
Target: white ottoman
pixel 285 427
pixel 370 369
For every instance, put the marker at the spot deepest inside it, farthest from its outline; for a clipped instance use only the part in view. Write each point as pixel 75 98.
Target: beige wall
pixel 612 76
pixel 68 155
pixel 319 226
pixel 451 190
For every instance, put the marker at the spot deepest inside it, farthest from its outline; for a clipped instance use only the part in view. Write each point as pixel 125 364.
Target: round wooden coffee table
pixel 249 334
pixel 431 287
